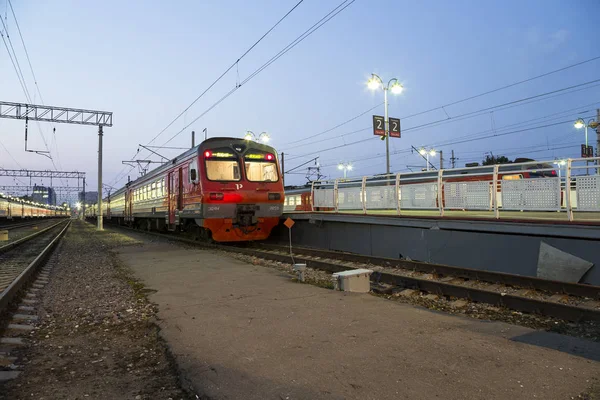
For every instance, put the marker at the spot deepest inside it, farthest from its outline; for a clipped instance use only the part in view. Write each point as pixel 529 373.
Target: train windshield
pixel 222 166
pixel 261 167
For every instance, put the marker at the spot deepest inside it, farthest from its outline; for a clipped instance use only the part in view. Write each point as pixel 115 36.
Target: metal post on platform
pixel 440 192
pixel 568 190
pixel 363 194
pixel 495 192
pixel 100 134
pixel 397 189
pixel 335 195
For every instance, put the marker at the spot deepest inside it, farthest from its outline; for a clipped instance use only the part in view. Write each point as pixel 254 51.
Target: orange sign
pixel 289 223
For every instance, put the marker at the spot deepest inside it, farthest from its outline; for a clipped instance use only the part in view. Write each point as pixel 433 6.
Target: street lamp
pixel 374 83
pixel 426 153
pixel 580 123
pixel 560 163
pixel 264 136
pixel 345 167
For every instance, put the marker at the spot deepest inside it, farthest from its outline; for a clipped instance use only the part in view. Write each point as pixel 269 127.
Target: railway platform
pixel 242 330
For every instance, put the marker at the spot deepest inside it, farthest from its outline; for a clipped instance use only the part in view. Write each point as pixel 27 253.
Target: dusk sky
pixel 146 61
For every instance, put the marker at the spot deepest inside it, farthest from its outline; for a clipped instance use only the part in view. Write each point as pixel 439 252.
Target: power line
pixel 216 81
pixel 471 97
pixel 290 46
pixel 460 117
pixel 225 72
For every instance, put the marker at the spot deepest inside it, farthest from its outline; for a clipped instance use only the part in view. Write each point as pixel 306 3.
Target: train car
pixel 13 207
pixel 299 198
pixel 225 189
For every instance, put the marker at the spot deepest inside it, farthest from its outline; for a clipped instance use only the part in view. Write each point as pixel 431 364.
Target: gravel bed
pixel 19 233
pixel 96 338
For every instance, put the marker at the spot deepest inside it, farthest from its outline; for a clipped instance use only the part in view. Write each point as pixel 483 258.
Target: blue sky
pixel 147 61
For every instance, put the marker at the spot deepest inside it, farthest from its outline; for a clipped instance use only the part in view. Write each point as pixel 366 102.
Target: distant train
pixel 225 189
pixel 13 208
pixel 299 198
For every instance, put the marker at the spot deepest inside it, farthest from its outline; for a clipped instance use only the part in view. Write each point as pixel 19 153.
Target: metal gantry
pixel 63 115
pixel 28 173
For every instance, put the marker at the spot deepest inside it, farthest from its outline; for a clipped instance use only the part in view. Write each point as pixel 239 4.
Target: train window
pixel 193 172
pixel 153 190
pixel 261 167
pixel 222 170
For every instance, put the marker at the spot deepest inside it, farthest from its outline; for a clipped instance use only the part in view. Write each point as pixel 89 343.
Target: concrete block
pixel 559 298
pixel 523 292
pixel 17 341
pixel 8 375
pixel 20 327
pixel 431 296
pixel 593 304
pixel 25 317
pixel 460 303
pixel 409 293
pixel 354 280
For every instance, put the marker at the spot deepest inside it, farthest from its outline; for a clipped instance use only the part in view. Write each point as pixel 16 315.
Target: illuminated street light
pixel 426 153
pixel 580 123
pixel 345 167
pixel 78 205
pixel 374 83
pixel 264 136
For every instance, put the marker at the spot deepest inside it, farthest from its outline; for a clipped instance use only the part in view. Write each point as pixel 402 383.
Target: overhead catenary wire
pixel 442 107
pixel 290 46
pixel 234 64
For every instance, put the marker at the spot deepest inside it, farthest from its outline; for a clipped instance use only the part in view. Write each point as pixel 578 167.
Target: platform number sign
pixel 587 151
pixel 378 125
pixel 394 127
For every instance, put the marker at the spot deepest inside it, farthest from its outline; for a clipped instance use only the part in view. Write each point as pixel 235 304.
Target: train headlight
pixel 274 196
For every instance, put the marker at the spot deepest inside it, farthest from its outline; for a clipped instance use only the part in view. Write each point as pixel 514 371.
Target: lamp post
pixel 345 167
pixel 262 137
pixel 426 153
pixel 374 83
pixel 580 123
pixel 560 163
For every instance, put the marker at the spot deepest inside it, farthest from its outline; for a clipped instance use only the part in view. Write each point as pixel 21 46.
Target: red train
pixel 227 189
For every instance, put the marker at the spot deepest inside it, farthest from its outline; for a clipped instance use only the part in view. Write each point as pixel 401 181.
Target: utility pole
pixel 453 160
pixel 441 159
pixel 100 134
pixel 193 139
pixel 283 168
pixel 598 139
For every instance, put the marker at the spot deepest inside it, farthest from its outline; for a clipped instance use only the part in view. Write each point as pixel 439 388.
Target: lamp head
pixel 373 83
pixel 580 123
pixel 340 166
pixel 349 167
pixel 432 152
pixel 397 88
pixel 422 152
pixel 265 137
pixel 248 136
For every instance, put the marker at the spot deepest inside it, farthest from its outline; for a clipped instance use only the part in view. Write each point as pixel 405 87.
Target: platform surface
pixel 242 331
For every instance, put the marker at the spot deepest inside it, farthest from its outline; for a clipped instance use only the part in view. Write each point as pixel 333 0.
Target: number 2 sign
pixel 394 127
pixel 378 125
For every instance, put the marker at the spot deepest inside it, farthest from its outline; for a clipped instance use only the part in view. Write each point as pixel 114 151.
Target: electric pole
pixel 441 159
pixel 453 160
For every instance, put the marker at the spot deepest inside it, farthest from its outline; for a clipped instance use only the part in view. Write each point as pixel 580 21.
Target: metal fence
pixel 566 186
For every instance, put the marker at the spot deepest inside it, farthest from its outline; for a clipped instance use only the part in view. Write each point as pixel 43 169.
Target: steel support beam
pixel 36 112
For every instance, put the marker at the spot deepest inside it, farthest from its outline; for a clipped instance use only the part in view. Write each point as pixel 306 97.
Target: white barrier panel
pixel 418 195
pixel 349 198
pixel 588 193
pixel 531 194
pixel 381 197
pixel 468 195
pixel 324 198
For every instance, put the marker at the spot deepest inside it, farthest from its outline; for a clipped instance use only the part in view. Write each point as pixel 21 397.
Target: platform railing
pixel 534 186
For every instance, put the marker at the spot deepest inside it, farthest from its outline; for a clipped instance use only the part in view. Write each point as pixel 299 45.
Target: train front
pixel 242 190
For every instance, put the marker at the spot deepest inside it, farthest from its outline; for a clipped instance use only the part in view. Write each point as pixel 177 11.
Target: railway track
pixel 20 259
pixel 567 301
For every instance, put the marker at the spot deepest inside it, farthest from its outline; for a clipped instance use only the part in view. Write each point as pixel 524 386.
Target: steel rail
pixel 526 282
pixel 12 245
pixel 20 281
